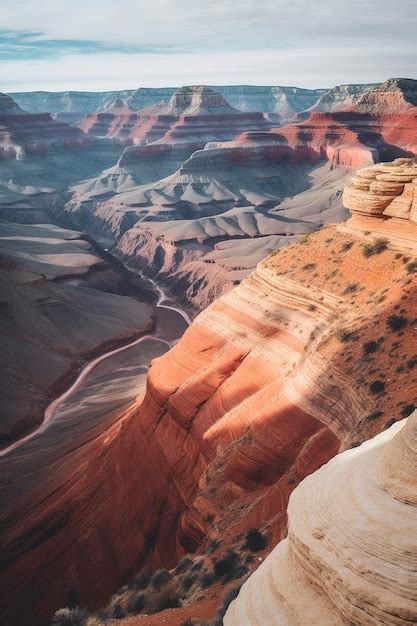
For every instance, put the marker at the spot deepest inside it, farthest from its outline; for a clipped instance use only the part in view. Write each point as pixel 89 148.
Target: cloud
pixel 244 40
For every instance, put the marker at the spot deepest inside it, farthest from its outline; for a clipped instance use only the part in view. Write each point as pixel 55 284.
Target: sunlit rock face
pixel 383 199
pixel 393 96
pixel 351 552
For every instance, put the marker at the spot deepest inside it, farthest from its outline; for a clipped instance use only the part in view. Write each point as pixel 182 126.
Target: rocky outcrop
pixel 339 98
pixel 395 95
pixel 8 106
pixel 383 199
pixel 23 134
pixel 340 564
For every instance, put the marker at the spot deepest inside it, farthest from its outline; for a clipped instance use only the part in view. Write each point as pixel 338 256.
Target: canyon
pixel 190 328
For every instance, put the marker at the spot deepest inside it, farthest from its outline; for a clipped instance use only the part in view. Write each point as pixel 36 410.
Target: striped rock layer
pixel 383 199
pixel 351 552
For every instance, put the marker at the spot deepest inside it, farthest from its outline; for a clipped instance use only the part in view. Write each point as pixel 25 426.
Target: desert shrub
pixel 69 617
pixel 207 579
pixel 390 422
pixel 411 267
pixel 118 611
pixel 187 582
pixel 377 387
pixel 226 566
pixel 378 246
pixel 396 322
pixel 141 582
pixel 183 565
pixel 136 603
pixel 370 346
pixel 343 334
pixel 351 288
pixel 255 540
pixel 312 307
pixel 374 415
pixel 160 578
pixel 188 622
pixel 196 567
pixel 347 245
pixel 309 266
pixel 411 363
pixel 213 545
pixel 407 410
pixel 169 597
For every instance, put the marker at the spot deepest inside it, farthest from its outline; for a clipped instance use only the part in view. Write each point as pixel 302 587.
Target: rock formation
pixel 23 133
pixel 351 552
pixel 383 199
pixel 312 353
pixel 395 95
pixel 339 98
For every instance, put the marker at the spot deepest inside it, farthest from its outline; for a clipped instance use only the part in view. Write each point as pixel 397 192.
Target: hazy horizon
pixel 101 46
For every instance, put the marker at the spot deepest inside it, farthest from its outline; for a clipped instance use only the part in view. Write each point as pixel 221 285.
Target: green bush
pixel 226 567
pixel 411 267
pixel 69 617
pixel 370 346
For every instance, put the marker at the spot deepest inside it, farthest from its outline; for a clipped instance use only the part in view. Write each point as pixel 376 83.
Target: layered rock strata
pixel 350 555
pixel 383 199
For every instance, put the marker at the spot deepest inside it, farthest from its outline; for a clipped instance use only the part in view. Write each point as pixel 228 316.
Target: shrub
pixel 347 245
pixel 412 363
pixel 377 387
pixel 411 267
pixel 160 578
pixel 207 579
pixel 255 540
pixel 69 617
pixel 407 410
pixel 188 622
pixel 141 582
pixel 187 582
pixel 196 567
pixel 343 334
pixel 309 266
pixel 213 545
pixel 136 603
pixel 183 565
pixel 370 346
pixel 377 247
pixel 118 611
pixel 305 237
pixel 351 288
pixel 227 565
pixel 169 597
pixel 374 415
pixel 396 322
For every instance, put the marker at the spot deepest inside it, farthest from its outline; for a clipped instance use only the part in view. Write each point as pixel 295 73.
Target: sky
pixel 124 44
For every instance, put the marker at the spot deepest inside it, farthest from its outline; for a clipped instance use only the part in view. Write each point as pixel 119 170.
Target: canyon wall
pixel 350 554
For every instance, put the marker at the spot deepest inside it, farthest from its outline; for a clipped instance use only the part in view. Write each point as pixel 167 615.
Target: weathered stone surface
pixel 351 552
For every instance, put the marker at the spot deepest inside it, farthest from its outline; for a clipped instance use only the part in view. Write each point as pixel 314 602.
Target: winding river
pixel 167 329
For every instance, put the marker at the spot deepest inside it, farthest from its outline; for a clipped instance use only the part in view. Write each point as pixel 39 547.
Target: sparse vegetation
pixel 228 598
pixel 351 288
pixel 347 245
pixel 378 246
pixel 227 567
pixel 412 267
pixel 370 346
pixel 407 410
pixel 136 603
pixel 168 597
pixel 207 579
pixel 309 266
pixel 396 322
pixel 343 334
pixel 160 578
pixel 69 617
pixel 255 540
pixel 374 415
pixel 377 387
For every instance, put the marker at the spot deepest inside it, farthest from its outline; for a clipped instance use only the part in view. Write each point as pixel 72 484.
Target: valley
pixel 206 295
